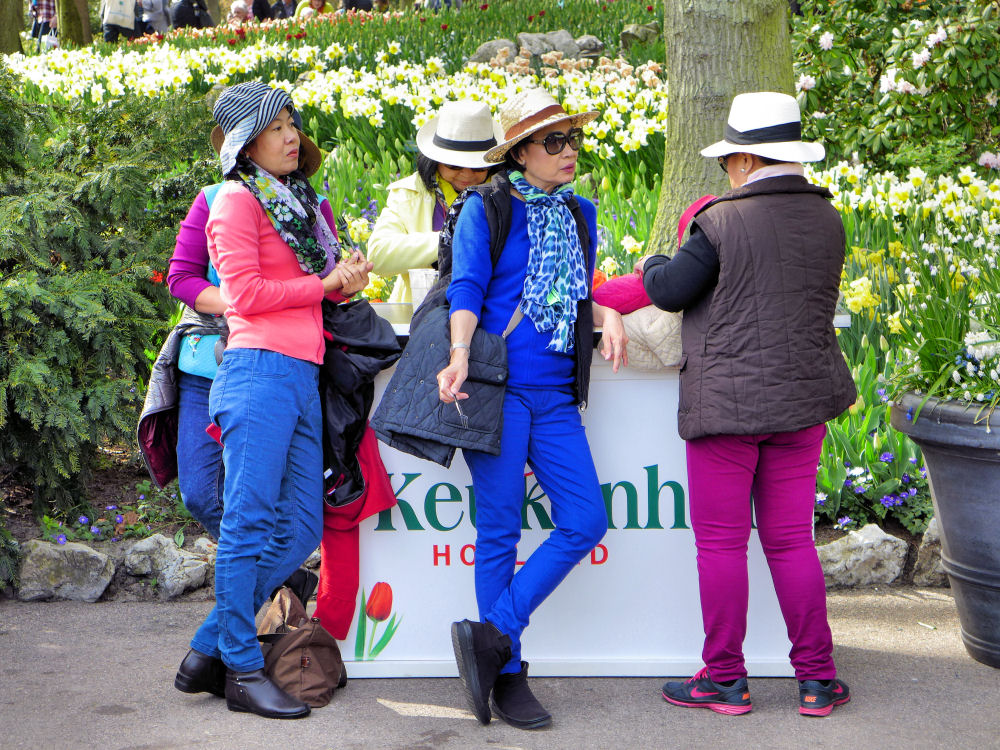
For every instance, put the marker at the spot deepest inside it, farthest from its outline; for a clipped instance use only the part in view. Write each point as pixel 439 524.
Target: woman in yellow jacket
pixel 317 7
pixel 451 148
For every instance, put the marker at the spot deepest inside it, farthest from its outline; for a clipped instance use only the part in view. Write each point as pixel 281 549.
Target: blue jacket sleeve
pixel 471 266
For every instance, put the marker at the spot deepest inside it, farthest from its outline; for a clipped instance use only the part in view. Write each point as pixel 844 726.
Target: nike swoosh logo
pixel 696 693
pixel 838 690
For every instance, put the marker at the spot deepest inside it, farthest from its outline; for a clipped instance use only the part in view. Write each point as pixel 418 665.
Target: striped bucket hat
pixel 243 111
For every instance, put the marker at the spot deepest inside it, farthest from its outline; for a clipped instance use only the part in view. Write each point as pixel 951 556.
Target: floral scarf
pixel 293 209
pixel 557 275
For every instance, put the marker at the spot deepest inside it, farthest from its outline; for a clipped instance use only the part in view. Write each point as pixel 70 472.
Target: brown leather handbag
pixel 300 655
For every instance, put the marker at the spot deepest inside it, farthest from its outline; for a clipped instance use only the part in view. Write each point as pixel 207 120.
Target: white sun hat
pixel 767 124
pixel 529 111
pixel 460 135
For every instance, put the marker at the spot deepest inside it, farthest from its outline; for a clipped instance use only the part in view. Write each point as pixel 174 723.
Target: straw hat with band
pixel 243 111
pixel 526 113
pixel 767 124
pixel 460 135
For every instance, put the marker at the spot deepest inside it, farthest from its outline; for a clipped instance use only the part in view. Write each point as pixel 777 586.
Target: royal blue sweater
pixel 492 294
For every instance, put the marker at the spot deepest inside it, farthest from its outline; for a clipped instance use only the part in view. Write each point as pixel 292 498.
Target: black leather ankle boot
pixel 200 673
pixel 254 693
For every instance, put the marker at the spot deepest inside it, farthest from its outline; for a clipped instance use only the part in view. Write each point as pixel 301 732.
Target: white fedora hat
pixel 767 124
pixel 529 111
pixel 460 135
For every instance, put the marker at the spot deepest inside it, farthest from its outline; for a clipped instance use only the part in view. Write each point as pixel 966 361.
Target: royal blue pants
pixel 200 472
pixel 267 405
pixel 541 428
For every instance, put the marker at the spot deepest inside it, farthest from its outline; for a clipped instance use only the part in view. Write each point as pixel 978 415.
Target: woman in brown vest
pixel 758 281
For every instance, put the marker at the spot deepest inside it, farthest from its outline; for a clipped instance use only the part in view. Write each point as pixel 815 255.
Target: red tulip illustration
pixel 377 607
pixel 379 602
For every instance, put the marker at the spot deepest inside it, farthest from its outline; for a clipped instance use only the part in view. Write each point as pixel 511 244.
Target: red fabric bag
pixel 339 576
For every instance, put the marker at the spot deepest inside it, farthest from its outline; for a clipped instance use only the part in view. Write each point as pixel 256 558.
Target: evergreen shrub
pixel 90 201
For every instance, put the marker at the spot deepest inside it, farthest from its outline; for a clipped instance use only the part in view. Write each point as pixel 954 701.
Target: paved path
pixel 78 675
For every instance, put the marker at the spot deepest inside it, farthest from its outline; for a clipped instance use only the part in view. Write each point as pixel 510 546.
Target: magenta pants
pixel 779 470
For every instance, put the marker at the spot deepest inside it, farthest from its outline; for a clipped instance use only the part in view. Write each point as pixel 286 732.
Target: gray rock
pixel 863 558
pixel 590 46
pixel 174 569
pixel 67 571
pixel 205 547
pixel 536 44
pixel 488 50
pixel 639 33
pixel 564 42
pixel 929 571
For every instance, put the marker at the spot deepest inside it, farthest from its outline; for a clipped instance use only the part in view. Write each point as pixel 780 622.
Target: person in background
pixel 451 147
pixel 43 19
pixel 540 292
pixel 277 258
pixel 190 14
pixel 155 16
pixel 261 10
pixel 120 19
pixel 316 6
pixel 283 9
pixel 239 13
pixel 762 372
pixel 356 5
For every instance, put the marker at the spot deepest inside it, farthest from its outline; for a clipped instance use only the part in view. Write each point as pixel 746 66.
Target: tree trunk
pixel 215 11
pixel 74 23
pixel 715 50
pixel 11 25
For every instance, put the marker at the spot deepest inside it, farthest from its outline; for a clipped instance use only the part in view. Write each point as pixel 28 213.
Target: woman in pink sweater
pixel 277 258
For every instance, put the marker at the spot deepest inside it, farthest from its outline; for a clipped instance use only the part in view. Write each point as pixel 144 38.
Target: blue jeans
pixel 543 429
pixel 267 405
pixel 200 472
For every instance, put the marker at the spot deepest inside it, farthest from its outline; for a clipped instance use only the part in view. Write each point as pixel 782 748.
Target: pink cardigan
pixel 271 302
pixel 186 273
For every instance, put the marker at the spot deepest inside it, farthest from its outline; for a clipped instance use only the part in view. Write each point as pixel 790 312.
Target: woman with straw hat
pixel 277 258
pixel 539 291
pixel 451 147
pixel 758 282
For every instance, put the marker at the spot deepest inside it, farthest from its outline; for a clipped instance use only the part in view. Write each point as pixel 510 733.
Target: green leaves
pixel 86 218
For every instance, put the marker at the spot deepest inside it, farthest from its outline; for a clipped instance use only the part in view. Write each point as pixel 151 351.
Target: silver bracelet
pixel 459 345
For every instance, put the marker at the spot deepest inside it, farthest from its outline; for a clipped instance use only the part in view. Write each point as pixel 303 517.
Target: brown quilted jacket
pixel 760 352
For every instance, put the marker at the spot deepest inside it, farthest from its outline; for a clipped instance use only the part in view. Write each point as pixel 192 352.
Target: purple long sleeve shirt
pixel 188 268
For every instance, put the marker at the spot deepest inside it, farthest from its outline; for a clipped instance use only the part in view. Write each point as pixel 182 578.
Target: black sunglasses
pixel 555 142
pixel 722 163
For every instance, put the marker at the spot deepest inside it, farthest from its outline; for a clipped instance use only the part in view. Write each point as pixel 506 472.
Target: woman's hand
pixel 640 263
pixel 614 339
pixel 349 276
pixel 451 378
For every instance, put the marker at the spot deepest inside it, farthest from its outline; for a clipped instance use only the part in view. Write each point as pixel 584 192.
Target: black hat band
pixel 788 131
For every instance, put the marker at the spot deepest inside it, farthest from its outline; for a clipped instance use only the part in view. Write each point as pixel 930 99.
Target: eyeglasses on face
pixel 722 163
pixel 555 142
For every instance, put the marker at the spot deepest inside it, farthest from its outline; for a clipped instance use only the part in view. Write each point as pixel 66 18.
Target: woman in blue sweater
pixel 544 274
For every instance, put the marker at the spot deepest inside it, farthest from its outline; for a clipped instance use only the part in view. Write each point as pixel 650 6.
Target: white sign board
pixel 630 608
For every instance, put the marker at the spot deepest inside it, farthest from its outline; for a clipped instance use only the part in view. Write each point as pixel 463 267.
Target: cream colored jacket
pixel 402 238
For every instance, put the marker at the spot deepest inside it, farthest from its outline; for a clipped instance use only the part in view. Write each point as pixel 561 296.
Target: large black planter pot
pixel 963 466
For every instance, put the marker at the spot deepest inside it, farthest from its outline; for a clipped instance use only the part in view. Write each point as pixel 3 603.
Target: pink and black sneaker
pixel 702 692
pixel 818 697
